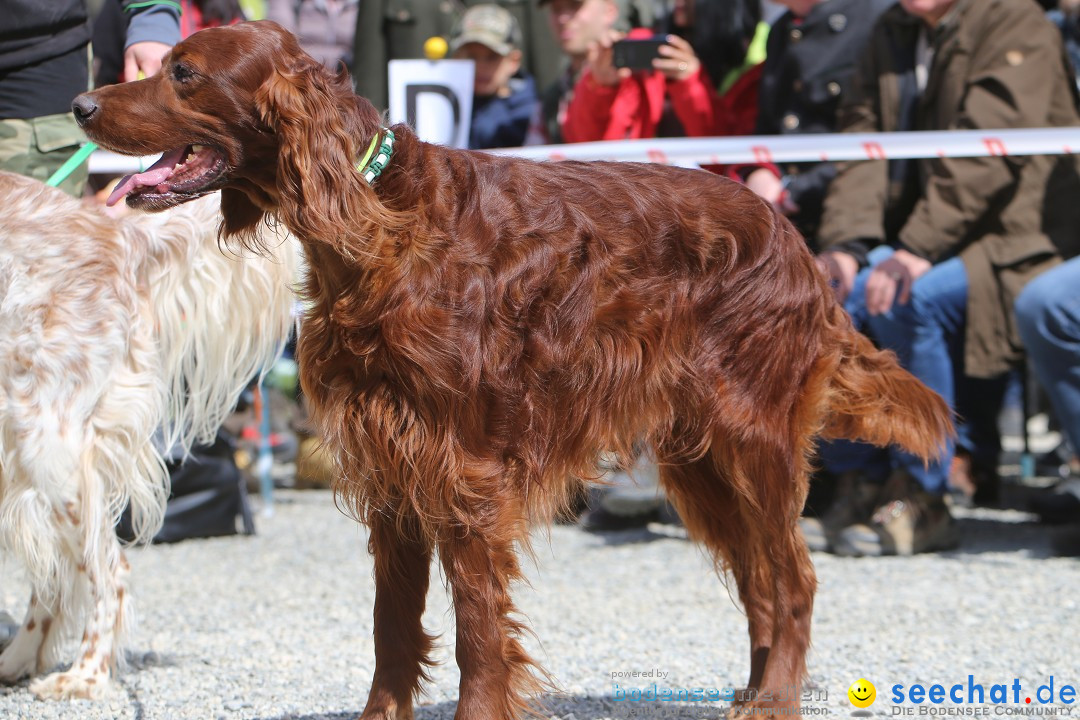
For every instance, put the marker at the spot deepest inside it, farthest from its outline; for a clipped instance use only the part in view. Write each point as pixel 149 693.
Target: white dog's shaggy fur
pixel 109 331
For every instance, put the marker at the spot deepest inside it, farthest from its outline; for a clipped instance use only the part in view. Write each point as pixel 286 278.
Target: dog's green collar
pixel 386 149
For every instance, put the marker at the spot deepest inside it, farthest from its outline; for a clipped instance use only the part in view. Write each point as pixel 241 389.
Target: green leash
pixel 72 162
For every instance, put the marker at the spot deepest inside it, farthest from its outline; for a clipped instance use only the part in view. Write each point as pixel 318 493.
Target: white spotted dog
pixel 109 331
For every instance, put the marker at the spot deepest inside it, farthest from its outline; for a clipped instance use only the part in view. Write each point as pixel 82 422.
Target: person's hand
pixel 677 59
pixel 144 57
pixel 599 59
pixel 769 187
pixel 891 281
pixel 765 183
pixel 841 269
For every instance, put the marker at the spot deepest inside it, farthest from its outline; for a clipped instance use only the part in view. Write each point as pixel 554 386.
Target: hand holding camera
pixel 600 58
pixel 676 59
pixel 615 57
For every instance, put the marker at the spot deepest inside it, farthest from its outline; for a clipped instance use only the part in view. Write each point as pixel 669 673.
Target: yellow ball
pixel 435 48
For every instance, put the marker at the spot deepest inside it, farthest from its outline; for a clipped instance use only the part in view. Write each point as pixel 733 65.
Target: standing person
pixel 110 29
pixel 397 30
pixel 503 99
pixel 44 64
pixel 966 234
pixel 324 27
pixel 810 60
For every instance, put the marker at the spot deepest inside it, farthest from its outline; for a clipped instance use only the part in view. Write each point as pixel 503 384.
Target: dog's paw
pixel 12 675
pixel 388 711
pixel 14 668
pixel 389 715
pixel 70 686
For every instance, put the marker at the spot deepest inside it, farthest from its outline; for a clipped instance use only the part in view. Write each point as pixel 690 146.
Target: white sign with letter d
pixel 434 97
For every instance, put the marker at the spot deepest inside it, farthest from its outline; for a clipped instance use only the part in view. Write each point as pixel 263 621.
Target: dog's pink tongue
pixel 156 174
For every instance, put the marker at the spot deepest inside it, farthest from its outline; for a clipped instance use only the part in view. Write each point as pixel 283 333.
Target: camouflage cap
pixel 491 26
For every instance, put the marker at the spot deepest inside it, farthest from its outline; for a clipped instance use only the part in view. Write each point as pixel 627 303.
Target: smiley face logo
pixel 862 693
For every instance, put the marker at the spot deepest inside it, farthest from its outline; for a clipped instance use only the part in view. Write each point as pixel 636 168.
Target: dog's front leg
pixel 480 562
pixel 23 656
pixel 89 675
pixel 402 648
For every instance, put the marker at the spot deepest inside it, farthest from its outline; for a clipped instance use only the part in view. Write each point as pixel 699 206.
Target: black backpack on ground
pixel 208 495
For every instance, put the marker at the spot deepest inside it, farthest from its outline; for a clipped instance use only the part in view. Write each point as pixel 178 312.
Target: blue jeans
pixel 927 334
pixel 840 456
pixel 855 304
pixel 1048 316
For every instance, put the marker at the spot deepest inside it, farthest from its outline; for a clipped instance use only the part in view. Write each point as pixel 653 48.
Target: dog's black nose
pixel 83 108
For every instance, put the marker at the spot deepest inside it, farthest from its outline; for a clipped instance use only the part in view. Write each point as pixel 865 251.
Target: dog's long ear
pixel 314 116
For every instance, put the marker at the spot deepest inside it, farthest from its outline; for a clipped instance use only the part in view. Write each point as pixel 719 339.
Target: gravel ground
pixel 278 626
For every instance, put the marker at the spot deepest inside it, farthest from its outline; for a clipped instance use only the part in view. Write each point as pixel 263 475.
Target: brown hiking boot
pixel 853 502
pixel 908 520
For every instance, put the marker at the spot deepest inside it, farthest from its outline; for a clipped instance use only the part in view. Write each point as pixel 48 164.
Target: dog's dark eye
pixel 182 73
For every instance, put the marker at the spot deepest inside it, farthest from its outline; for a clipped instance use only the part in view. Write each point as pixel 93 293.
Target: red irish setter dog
pixel 481 328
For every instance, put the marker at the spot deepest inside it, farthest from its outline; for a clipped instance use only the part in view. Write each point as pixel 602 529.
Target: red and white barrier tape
pixel 817 148
pixel 766 148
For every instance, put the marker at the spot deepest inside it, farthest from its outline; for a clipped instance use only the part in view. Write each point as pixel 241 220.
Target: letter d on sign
pixel 412 100
pixel 434 98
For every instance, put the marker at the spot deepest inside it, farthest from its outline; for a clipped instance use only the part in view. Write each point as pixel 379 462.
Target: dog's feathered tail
pixel 873 399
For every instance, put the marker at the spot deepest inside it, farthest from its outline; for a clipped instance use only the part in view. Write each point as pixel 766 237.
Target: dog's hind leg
pixel 772 481
pixel 795 581
pixel 37 643
pixel 25 655
pixel 104 605
pixel 402 648
pixel 480 561
pixel 714 515
pixel 744 502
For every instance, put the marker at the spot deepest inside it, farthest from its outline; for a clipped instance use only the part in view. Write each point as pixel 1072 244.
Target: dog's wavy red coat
pixel 481 328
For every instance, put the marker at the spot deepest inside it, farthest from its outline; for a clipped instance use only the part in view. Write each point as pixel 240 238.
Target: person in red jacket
pixel 721 39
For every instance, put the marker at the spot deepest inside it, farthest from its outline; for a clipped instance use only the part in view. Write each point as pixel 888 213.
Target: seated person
pixel 1067 18
pixel 1048 316
pixel 503 99
pixel 810 59
pixel 966 234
